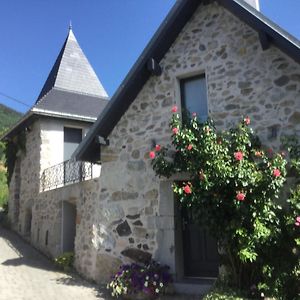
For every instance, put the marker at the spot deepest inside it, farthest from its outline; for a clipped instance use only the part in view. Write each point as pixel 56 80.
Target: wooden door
pixel 200 252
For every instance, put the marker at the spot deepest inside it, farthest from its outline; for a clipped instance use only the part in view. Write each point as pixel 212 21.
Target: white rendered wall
pixel 52 140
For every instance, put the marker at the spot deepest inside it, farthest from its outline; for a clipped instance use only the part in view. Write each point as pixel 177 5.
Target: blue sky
pixel 112 33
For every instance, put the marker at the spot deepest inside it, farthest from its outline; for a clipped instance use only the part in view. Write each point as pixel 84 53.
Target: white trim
pixel 60 114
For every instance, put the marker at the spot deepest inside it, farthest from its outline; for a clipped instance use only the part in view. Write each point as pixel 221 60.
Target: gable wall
pixel 241 80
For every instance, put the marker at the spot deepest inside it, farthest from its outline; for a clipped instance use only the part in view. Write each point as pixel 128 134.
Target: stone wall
pixel 134 214
pixel 37 215
pixel 47 217
pixel 24 185
pixel 129 213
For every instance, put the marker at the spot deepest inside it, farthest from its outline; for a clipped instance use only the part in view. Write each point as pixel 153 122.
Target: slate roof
pixel 73 72
pixel 70 103
pixel 180 14
pixel 71 91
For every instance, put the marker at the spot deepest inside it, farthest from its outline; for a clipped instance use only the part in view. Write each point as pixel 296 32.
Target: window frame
pixel 64 141
pixel 182 81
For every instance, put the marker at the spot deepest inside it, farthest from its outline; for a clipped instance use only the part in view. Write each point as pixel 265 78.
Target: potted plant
pixel 134 281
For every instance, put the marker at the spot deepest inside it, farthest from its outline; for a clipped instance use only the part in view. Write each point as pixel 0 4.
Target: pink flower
pixel 298 219
pixel 297 224
pixel 276 173
pixel 174 109
pixel 194 115
pixel 258 154
pixel 157 148
pixel 240 196
pixel 238 155
pixel 187 189
pixel 247 121
pixel 190 147
pixel 175 130
pixel 152 154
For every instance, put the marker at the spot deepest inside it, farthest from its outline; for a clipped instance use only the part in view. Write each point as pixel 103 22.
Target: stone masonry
pixel 133 216
pixel 128 213
pixel 34 213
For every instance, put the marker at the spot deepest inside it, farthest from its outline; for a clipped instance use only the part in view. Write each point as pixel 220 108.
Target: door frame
pixel 169 236
pixel 62 224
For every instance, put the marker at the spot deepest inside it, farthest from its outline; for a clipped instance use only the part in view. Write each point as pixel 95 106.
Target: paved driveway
pixel 25 274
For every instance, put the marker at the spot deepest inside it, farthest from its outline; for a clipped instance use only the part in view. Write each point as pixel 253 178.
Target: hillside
pixel 8 117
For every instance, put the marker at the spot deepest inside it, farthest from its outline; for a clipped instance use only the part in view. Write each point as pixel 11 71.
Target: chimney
pixel 254 3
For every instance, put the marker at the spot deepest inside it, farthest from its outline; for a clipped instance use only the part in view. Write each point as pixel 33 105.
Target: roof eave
pixel 27 119
pixel 19 126
pixel 55 114
pixel 255 19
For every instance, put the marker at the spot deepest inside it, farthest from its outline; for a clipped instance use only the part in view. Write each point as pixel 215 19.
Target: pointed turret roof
pixel 73 72
pixel 71 91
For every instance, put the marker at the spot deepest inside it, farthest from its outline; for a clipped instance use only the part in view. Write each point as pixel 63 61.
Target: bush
pixel 3 187
pixel 65 261
pixel 150 280
pixel 233 187
pixel 223 293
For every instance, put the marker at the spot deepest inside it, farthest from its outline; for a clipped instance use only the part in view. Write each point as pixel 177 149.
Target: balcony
pixel 68 172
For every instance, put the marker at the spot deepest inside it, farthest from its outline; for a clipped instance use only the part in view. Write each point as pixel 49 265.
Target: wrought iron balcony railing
pixel 65 173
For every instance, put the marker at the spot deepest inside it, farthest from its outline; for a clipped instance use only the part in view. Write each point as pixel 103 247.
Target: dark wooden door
pixel 68 226
pixel 200 251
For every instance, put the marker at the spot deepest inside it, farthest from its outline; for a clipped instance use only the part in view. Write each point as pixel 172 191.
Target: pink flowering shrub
pixel 233 186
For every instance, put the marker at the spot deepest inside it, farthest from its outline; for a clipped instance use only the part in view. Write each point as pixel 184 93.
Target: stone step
pixel 190 289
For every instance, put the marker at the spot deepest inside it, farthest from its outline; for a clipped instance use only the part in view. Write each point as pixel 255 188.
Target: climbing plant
pixel 12 148
pixel 233 187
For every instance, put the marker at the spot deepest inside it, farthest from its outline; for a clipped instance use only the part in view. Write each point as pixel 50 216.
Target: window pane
pixel 72 135
pixel 72 138
pixel 194 96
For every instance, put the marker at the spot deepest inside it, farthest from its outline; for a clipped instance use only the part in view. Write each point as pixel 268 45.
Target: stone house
pixel 46 188
pixel 221 59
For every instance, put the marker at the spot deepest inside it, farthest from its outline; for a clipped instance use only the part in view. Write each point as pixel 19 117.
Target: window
pixel 72 138
pixel 194 96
